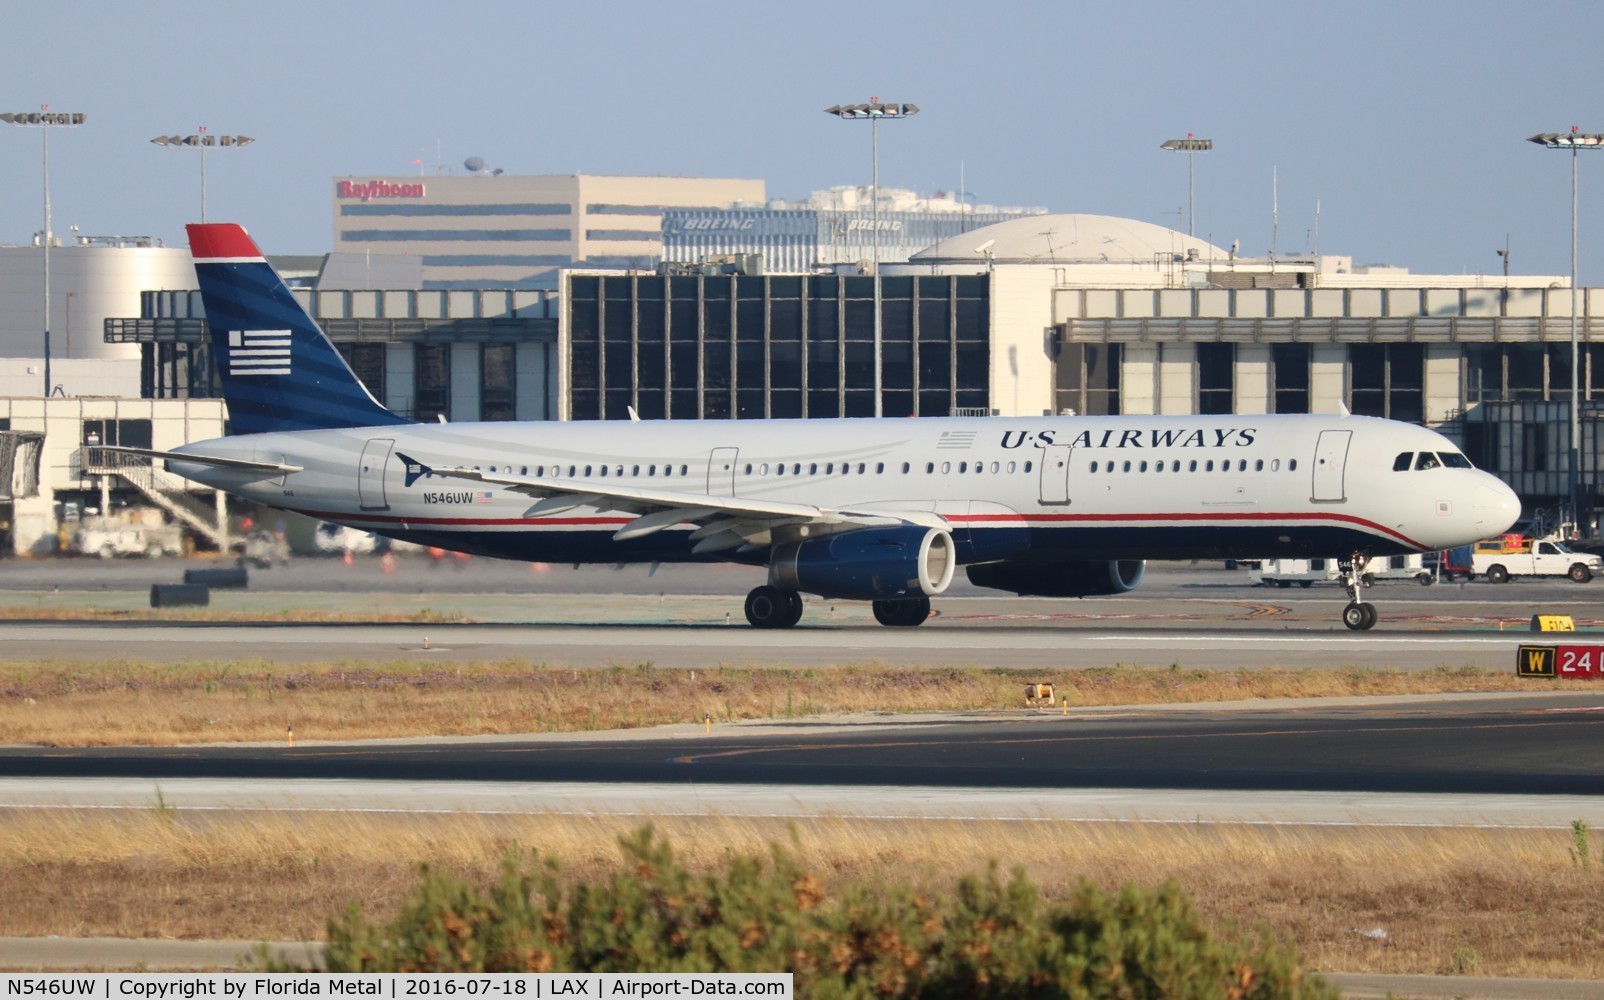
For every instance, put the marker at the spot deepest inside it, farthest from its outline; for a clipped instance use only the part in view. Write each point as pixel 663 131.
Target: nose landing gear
pixel 1358 615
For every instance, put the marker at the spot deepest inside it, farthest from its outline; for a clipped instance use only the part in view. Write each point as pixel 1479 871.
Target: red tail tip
pixel 220 239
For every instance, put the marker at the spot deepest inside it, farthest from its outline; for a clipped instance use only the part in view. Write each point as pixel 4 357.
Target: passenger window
pixel 1027 467
pixel 1142 467
pixel 1175 466
pixel 813 468
pixel 1011 468
pixel 905 468
pixel 1094 466
pixel 994 467
pixel 1191 466
pixel 1275 465
pixel 1402 462
pixel 963 467
pixel 1242 466
pixel 930 468
pixel 1208 466
pixel 1258 465
pixel 1427 460
pixel 1292 465
pixel 1127 465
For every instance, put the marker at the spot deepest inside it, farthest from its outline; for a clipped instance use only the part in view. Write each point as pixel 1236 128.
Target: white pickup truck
pixel 1538 558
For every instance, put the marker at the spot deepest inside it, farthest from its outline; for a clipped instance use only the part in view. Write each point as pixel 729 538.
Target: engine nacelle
pixel 867 564
pixel 1066 579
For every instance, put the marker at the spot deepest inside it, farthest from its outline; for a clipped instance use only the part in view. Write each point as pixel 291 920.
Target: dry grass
pixel 134 703
pixel 1497 902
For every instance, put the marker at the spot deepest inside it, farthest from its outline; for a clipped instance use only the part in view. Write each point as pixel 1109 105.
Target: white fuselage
pixel 1129 487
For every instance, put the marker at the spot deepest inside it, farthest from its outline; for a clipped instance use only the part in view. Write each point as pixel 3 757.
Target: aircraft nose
pixel 1496 507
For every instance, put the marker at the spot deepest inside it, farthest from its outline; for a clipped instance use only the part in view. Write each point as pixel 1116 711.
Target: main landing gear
pixel 907 613
pixel 1358 615
pixel 771 607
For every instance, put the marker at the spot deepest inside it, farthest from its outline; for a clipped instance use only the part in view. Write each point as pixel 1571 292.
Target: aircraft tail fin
pixel 279 371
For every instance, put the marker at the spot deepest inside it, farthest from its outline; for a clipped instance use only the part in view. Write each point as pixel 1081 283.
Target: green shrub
pixel 990 937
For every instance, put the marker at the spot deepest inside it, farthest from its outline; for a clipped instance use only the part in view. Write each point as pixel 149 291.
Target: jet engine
pixel 1064 579
pixel 867 564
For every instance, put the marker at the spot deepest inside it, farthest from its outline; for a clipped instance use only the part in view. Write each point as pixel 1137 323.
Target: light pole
pixel 44 120
pixel 202 141
pixel 1574 140
pixel 1191 147
pixel 874 111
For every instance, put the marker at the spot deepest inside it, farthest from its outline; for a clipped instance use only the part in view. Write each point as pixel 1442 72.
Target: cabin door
pixel 370 474
pixel 1330 460
pixel 721 472
pixel 1055 474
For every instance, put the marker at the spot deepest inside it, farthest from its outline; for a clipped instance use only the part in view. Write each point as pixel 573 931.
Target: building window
pixel 1216 378
pixel 1088 379
pixel 1289 377
pixel 1388 380
pixel 367 364
pixel 431 382
pixel 498 381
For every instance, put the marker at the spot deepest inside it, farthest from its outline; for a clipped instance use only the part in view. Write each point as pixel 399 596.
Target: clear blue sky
pixel 1405 120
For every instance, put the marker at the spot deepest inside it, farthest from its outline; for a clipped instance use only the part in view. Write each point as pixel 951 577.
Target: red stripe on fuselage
pixel 210 240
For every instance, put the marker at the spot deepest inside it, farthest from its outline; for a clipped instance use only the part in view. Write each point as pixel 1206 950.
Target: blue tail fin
pixel 279 372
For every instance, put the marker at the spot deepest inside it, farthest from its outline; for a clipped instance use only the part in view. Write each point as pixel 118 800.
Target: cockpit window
pixel 1427 460
pixel 1454 460
pixel 1401 463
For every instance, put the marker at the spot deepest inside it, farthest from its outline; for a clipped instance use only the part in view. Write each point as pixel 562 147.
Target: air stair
pixel 171 493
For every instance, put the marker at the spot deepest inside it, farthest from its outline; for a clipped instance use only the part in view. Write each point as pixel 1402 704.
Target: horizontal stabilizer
pixel 244 464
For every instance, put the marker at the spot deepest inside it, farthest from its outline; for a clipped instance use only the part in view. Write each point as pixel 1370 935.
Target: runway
pixel 1465 745
pixel 1192 616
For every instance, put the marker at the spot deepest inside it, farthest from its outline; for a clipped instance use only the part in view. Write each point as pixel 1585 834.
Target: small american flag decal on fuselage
pixel 258 352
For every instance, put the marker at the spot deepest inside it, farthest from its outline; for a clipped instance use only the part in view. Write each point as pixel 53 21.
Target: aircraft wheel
pixel 1359 617
pixel 769 607
pixel 793 604
pixel 904 613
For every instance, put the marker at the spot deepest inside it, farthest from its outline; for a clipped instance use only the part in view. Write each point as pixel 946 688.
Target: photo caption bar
pixel 395 986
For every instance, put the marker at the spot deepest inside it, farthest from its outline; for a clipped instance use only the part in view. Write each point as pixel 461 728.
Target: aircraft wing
pixel 723 522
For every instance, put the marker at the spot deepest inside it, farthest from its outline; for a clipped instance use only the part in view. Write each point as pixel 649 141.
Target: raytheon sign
pixel 368 190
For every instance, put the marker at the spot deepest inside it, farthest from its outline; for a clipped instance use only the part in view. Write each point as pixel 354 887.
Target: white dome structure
pixel 1069 239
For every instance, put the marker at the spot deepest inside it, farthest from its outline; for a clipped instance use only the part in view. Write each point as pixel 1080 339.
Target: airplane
pixel 880 510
